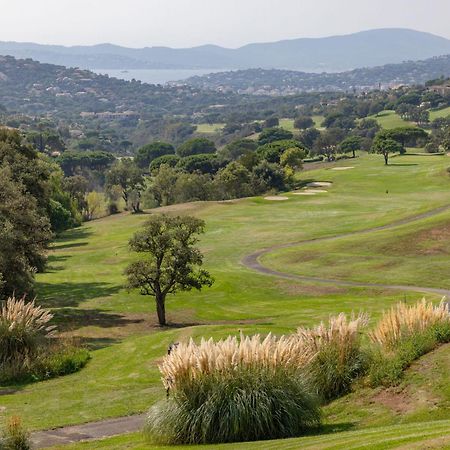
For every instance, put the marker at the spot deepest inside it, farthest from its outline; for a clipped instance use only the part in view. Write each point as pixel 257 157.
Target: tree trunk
pixel 161 309
pixel 354 156
pixel 386 157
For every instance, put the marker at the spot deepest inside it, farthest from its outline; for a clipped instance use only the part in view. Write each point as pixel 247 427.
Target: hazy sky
pixel 231 23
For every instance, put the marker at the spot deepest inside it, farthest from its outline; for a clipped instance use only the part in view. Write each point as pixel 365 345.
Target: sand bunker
pixel 319 184
pixel 305 193
pixel 342 168
pixel 276 198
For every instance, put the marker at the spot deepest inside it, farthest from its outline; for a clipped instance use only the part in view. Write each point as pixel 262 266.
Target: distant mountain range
pixel 287 82
pixel 329 54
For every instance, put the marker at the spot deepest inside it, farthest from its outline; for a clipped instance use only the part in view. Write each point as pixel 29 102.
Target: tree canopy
pixel 172 262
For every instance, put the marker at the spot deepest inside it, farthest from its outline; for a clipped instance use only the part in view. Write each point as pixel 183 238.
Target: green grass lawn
pixel 84 283
pixel 434 114
pixel 287 124
pixel 207 128
pixel 390 119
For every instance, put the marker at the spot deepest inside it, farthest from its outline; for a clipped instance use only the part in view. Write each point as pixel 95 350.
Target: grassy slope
pixel 84 285
pixel 206 128
pixel 414 415
pixel 445 112
pixel 414 254
pixel 390 119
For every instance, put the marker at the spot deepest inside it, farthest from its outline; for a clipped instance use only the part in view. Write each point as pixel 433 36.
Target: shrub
pixel 14 436
pixel 338 358
pixel 234 390
pixel 61 358
pixel 23 326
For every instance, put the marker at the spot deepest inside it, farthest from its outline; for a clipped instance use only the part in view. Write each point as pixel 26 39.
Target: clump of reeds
pixel 237 389
pixel 403 321
pixel 338 355
pixel 23 325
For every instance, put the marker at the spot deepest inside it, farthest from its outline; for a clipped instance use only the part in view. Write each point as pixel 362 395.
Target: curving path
pixel 252 261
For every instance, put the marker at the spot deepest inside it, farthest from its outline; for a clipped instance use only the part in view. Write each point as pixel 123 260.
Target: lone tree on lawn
pixel 172 261
pixel 384 146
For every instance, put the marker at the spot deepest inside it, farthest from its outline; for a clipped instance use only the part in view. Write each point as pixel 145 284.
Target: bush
pixel 14 436
pixel 234 390
pixel 339 358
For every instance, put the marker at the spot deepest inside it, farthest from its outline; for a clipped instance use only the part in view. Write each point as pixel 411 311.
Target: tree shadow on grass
pixel 69 319
pixel 65 240
pixel 52 263
pixel 403 164
pixel 62 295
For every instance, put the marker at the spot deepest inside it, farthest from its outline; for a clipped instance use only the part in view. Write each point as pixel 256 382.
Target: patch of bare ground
pixel 432 241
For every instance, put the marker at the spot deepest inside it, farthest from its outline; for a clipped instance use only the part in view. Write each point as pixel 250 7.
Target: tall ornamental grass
pixel 338 355
pixel 29 349
pixel 234 390
pixel 23 327
pixel 404 334
pixel 403 321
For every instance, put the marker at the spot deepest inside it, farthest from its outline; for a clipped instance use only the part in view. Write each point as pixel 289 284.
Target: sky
pixel 230 23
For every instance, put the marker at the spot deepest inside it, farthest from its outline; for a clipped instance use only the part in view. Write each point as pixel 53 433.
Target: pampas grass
pixel 403 321
pixel 23 326
pixel 188 360
pixel 338 356
pixel 232 390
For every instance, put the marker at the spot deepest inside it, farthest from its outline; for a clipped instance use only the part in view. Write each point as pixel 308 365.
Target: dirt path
pixel 252 261
pixel 94 430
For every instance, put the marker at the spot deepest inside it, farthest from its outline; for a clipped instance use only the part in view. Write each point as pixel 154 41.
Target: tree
pixel 326 144
pixel 196 146
pixel 385 146
pixel 168 160
pixel 146 154
pixel 271 122
pixel 272 152
pixel 129 178
pixel 172 261
pixel 234 150
pixel 293 158
pixel 274 134
pixel 206 163
pixel 303 122
pixel 163 186
pixel 233 181
pixel 94 202
pixel 24 236
pixel 351 144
